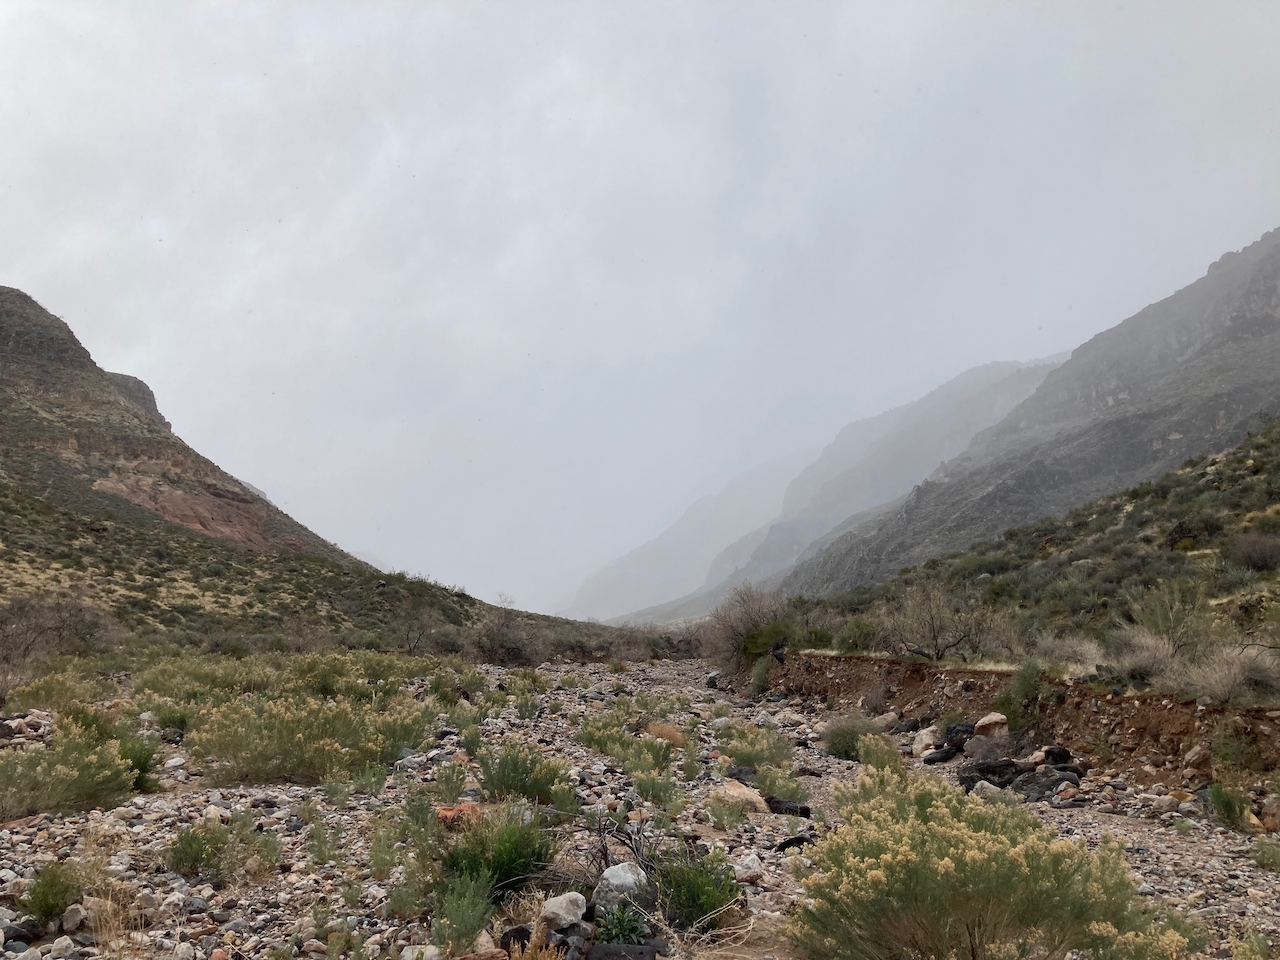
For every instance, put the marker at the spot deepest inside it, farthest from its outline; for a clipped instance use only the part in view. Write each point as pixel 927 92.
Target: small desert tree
pixel 747 613
pixel 931 621
pixel 31 629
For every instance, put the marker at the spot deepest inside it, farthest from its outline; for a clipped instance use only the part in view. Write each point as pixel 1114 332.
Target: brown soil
pixel 1145 736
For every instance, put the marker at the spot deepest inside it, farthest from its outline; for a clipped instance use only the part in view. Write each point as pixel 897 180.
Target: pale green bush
pixel 256 740
pixel 76 771
pixel 920 869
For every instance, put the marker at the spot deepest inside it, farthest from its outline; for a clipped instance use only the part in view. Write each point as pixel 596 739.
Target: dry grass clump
pixel 668 732
pixel 921 869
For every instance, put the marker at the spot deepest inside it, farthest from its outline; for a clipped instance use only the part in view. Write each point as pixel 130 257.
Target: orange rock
pixel 459 815
pixel 218 954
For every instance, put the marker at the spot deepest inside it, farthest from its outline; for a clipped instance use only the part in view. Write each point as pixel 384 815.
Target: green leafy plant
pixel 1229 803
pixel 505 848
pixel 772 782
pixel 76 771
pixel 620 924
pixel 325 843
pixel 656 788
pixel 696 893
pixel 842 735
pixel 463 909
pixel 55 888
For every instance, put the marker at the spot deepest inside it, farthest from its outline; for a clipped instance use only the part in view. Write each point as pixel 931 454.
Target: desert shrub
pixel 1233 675
pixel 1266 854
pixel 931 620
pixel 760 675
pixel 920 869
pixel 472 740
pixel 772 782
pixel 1229 803
pixel 726 814
pixel 55 888
pixel 450 781
pixel 656 788
pixel 59 691
pixel 519 770
pixel 843 734
pixel 198 850
pixel 504 848
pixel 139 751
pixel 753 746
pixel 620 924
pixel 746 613
pixel 1025 697
pixel 463 909
pixel 304 741
pixel 75 772
pixel 696 893
pixel 325 843
pixel 1177 610
pixel 1256 551
pixel 1234 747
pixel 668 732
pixel 876 750
pixel 527 707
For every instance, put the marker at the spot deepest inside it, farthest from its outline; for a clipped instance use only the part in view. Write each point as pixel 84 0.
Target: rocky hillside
pixel 870 462
pixel 1184 377
pixel 96 442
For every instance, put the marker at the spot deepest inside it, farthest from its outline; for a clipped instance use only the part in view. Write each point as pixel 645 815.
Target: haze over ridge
pixel 495 299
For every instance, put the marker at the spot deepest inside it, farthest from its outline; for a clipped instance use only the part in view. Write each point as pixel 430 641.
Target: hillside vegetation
pixel 1174 581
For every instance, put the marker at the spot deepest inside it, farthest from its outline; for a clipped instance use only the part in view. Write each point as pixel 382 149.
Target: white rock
pixel 62 947
pixel 173 763
pixel 31 953
pixel 624 881
pixel 885 720
pixel 73 917
pixel 564 910
pixel 751 862
pixel 184 951
pixel 991 725
pixel 924 741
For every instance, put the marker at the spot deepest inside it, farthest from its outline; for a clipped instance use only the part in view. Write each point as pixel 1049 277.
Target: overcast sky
pixel 494 291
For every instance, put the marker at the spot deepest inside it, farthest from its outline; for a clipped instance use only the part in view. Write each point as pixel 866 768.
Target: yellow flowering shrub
pixel 74 772
pixel 922 870
pixel 259 740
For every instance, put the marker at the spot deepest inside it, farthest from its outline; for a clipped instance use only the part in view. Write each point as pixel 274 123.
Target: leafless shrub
pixel 1071 649
pixel 931 621
pixel 1177 610
pixel 32 629
pixel 1234 675
pixel 744 614
pixel 1145 657
pixel 1257 551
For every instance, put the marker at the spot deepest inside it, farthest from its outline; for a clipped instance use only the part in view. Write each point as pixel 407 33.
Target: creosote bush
pixel 920 869
pixel 55 888
pixel 519 770
pixel 463 909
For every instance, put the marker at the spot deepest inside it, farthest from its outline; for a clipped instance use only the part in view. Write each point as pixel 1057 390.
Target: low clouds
pixel 493 291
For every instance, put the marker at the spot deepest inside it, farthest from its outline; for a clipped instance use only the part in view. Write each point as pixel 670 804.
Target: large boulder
pixel 733 791
pixel 991 725
pixel 924 741
pixel 564 911
pixel 625 881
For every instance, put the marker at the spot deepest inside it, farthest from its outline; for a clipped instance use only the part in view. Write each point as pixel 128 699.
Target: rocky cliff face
pixel 97 442
pixel 1183 377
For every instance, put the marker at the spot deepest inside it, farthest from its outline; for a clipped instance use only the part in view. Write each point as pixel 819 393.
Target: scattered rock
pixel 993 724
pixel 564 911
pixel 733 791
pixel 625 881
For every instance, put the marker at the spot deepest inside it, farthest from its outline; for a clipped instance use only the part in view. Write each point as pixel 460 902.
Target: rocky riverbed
pixel 1174 845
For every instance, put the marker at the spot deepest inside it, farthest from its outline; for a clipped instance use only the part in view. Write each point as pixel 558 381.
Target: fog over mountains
pixel 1000 445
